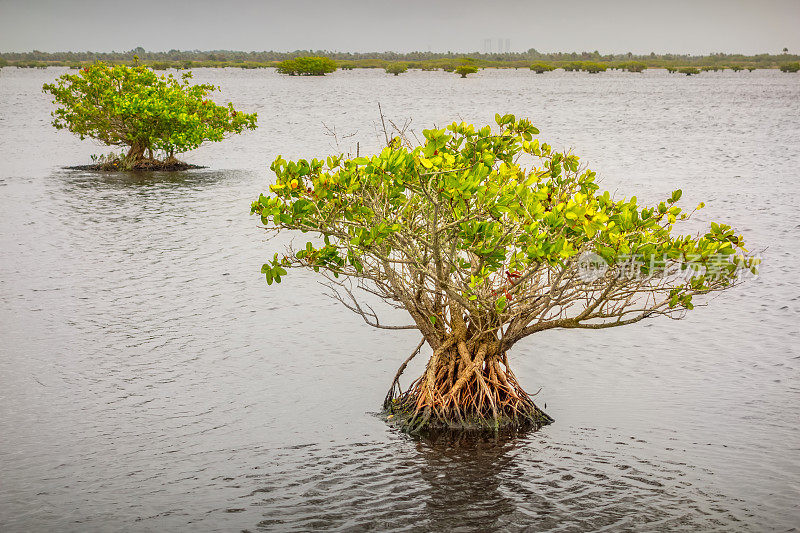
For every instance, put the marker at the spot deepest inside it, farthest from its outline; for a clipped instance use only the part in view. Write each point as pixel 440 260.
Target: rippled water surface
pixel 151 381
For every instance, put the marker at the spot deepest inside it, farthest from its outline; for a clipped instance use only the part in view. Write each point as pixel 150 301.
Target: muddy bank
pixel 168 166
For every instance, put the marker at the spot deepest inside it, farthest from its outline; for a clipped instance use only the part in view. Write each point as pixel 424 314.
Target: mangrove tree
pixel 481 251
pixel 153 116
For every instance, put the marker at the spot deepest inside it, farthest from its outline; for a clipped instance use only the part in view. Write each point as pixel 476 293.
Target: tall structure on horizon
pixel 503 45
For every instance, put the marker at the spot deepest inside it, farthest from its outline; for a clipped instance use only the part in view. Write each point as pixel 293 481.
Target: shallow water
pixel 150 380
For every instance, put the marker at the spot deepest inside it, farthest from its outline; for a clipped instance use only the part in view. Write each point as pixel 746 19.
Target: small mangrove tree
pixel 153 116
pixel 540 67
pixel 396 68
pixel 307 66
pixel 463 70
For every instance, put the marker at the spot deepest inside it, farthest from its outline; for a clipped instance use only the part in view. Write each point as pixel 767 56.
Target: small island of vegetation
pixel 396 68
pixel 632 66
pixel 150 114
pixel 307 66
pixel 464 70
pixel 540 67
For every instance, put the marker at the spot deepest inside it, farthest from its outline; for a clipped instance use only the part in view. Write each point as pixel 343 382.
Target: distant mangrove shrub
pixel 632 66
pixel 586 66
pixel 790 67
pixel 463 70
pixel 136 108
pixel 30 64
pixel 540 67
pixel 248 65
pixel 307 66
pixel 396 68
pixel 593 68
pixel 689 71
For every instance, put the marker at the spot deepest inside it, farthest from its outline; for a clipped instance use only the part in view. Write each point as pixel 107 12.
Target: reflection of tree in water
pixel 139 198
pixel 518 485
pixel 585 482
pixel 478 486
pixel 72 179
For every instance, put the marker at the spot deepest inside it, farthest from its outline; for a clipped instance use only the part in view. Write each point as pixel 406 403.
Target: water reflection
pixel 98 179
pixel 473 486
pixel 531 483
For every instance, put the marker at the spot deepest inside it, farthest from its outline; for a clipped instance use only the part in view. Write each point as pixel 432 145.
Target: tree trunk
pixel 135 154
pixel 465 386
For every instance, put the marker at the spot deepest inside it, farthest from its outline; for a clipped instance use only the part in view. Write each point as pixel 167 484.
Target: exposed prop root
pixel 395 388
pixel 463 388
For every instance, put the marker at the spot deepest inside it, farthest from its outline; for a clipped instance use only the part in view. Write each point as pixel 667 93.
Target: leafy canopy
pixel 122 105
pixel 459 227
pixel 307 66
pixel 632 66
pixel 466 69
pixel 539 67
pixel 396 68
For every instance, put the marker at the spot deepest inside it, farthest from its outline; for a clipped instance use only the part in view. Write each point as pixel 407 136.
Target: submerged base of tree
pixel 167 165
pixel 475 426
pixel 463 390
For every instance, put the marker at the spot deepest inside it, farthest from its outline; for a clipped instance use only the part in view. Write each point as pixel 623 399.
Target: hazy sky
pixel 639 26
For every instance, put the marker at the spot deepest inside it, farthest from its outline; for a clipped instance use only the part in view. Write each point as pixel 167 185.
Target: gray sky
pixel 639 26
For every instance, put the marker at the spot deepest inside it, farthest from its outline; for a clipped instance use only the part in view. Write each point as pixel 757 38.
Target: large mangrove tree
pixel 485 238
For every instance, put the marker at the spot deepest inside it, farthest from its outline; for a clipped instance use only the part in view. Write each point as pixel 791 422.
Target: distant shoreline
pixel 421 60
pixel 610 67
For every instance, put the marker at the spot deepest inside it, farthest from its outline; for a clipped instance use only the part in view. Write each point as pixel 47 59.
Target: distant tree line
pixel 423 60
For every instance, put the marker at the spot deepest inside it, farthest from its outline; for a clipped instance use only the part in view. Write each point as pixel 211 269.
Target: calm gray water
pixel 150 380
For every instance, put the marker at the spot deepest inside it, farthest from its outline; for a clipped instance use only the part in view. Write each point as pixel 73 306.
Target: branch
pixel 369 316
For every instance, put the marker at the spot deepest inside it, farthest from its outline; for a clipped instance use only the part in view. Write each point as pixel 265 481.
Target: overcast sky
pixel 639 26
